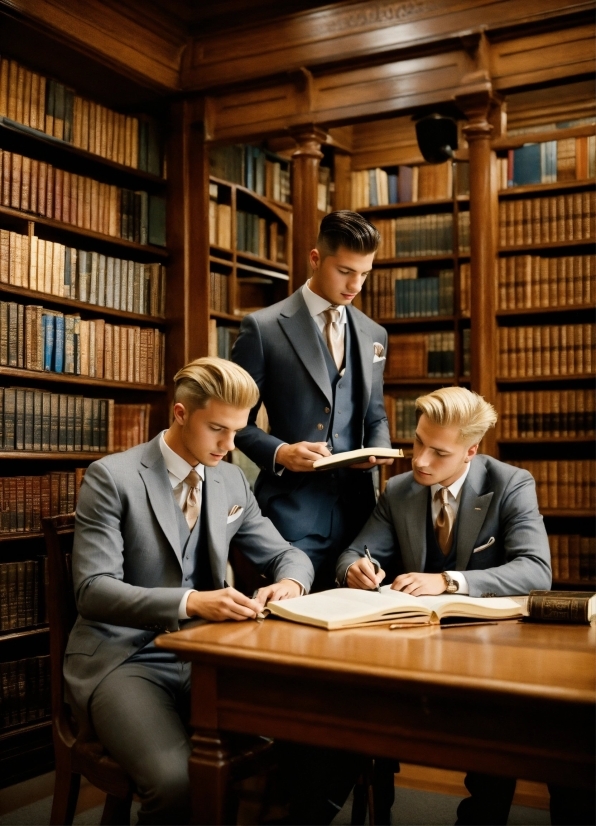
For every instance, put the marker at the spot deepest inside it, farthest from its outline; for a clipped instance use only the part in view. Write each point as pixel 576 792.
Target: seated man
pixel 153 528
pixel 459 522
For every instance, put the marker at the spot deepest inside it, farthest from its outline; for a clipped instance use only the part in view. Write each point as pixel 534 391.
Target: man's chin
pixel 423 478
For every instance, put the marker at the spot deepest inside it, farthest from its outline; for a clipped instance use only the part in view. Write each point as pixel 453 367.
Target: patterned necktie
pixel 333 335
pixel 192 506
pixel 444 523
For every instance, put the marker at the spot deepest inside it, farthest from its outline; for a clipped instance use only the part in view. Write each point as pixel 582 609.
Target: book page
pixel 352 457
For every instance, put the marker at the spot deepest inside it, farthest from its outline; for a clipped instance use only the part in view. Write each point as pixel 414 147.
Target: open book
pixel 350 607
pixel 353 457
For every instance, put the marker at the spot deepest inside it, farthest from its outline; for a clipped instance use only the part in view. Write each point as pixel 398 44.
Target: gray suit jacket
pixel 127 559
pixel 498 502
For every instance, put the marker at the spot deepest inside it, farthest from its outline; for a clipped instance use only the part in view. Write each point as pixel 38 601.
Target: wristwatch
pixel 451 586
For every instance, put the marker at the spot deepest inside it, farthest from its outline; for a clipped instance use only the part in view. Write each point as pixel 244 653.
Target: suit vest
pixel 345 426
pixel 436 561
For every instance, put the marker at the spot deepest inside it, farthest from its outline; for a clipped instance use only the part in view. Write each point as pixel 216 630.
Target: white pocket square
pixel 490 542
pixel 234 513
pixel 378 358
pixel 379 351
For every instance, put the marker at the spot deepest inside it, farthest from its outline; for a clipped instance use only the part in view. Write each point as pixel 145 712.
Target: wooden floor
pixel 421 778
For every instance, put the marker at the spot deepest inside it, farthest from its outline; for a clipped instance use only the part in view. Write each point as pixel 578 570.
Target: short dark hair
pixel 347 229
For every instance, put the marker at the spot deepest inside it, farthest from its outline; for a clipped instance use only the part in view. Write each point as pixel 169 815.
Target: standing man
pixel 152 533
pixel 462 523
pixel 318 363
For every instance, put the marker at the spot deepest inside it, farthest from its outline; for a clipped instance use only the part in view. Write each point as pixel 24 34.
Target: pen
pixel 369 557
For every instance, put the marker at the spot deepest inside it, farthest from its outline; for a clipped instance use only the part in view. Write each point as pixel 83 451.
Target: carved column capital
pixel 308 139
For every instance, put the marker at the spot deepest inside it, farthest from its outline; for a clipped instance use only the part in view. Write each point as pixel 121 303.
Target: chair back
pixel 62 613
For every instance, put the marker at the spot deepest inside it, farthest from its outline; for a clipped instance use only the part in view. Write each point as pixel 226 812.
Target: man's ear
pixel 179 413
pixel 315 259
pixel 472 451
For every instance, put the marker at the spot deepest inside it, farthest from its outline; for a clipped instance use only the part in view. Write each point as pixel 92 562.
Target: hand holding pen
pixel 365 573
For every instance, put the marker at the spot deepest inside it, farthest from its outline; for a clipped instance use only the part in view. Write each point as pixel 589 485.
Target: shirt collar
pixel 455 488
pixel 317 305
pixel 177 467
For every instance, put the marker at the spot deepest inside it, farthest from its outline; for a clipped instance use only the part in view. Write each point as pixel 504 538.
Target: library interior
pixel 165 166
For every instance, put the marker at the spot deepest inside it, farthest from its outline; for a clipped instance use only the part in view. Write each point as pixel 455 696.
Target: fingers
pixel 362 575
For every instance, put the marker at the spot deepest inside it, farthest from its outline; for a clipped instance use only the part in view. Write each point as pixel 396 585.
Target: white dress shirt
pixel 453 498
pixel 178 469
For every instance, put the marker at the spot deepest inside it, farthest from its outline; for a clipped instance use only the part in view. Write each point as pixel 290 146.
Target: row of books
pixel 466 365
pixel 221 339
pixel 541 220
pixel 564 484
pixel 403 184
pixel 91 277
pixel 567 159
pixel 40 188
pixel 218 292
pixel 401 415
pixel 415 235
pixel 421 355
pixel 25 691
pixel 220 221
pixel 26 500
pixel 256 169
pixel 534 281
pixel 572 557
pixel 19 595
pixel 35 338
pixel 544 413
pixel 409 292
pixel 548 350
pixel 256 235
pixel 44 104
pixel 32 419
pixel 130 425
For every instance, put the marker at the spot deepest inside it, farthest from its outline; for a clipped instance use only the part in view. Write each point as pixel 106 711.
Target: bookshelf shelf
pixel 515 141
pixel 268 202
pixel 225 316
pixel 576 584
pixel 21 728
pixel 431 319
pixel 571 514
pixel 567 308
pixel 146 251
pixel 418 259
pixel 67 378
pixel 550 245
pixel 413 206
pixel 88 309
pixel 537 440
pixel 214 259
pixel 535 379
pixel 272 267
pixel 435 381
pixel 546 189
pixel 17 633
pixel 54 455
pixel 11 537
pixel 33 143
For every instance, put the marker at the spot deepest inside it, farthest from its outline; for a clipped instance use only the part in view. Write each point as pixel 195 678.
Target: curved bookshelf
pixel 68 378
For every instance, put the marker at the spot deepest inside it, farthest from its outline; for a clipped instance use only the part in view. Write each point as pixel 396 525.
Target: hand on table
pixel 419 584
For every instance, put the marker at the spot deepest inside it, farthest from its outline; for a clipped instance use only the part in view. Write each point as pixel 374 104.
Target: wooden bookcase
pixel 137 394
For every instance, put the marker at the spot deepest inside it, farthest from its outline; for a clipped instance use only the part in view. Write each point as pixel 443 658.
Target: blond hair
pixel 460 407
pixel 214 378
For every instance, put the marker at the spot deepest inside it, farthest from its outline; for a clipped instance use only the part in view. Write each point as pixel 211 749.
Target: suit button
pixel 187 578
pixel 336 435
pixel 327 410
pixel 319 426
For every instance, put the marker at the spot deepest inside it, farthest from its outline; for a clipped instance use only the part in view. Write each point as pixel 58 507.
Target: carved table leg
pixel 213 800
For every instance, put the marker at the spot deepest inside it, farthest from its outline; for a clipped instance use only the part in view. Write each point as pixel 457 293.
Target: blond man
pixel 458 522
pixel 153 528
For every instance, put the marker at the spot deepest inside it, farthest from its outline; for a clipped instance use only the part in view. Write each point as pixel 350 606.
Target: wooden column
pixel 305 182
pixel 483 250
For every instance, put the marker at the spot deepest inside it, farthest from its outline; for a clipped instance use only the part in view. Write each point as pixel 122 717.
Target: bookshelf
pixel 82 345
pixel 250 237
pixel 545 325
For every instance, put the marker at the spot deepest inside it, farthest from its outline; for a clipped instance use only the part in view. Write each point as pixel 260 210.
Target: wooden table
pixel 511 699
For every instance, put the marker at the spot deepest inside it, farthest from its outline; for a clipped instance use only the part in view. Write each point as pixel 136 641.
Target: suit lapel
pixel 414 509
pixel 471 513
pixel 364 343
pixel 159 491
pixel 300 329
pixel 215 501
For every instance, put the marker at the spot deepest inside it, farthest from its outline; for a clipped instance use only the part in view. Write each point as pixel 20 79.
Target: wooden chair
pixel 75 756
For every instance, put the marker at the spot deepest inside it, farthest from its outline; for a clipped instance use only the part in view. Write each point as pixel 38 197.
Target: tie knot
pixel 443 495
pixel 331 315
pixel 193 479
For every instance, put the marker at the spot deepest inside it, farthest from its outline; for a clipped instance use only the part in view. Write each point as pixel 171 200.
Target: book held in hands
pixel 351 608
pixel 354 457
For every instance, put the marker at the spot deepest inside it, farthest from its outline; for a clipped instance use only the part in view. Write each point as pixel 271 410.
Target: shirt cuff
pixel 182 615
pixel 297 581
pixel 277 468
pixel 462 582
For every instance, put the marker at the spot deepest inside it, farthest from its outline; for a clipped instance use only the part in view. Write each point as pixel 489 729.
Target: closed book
pixel 578 607
pixel 526 165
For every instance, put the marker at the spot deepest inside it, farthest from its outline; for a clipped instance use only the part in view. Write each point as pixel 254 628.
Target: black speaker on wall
pixel 437 137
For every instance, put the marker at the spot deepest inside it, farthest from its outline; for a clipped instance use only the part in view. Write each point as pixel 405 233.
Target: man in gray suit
pixel 152 533
pixel 318 363
pixel 459 522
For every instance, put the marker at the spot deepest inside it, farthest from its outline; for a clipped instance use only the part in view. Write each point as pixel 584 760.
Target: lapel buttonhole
pixel 477 509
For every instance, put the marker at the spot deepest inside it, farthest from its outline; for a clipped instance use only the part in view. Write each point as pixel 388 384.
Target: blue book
pixel 249 169
pixel 392 188
pixel 526 165
pixel 48 340
pixel 59 344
